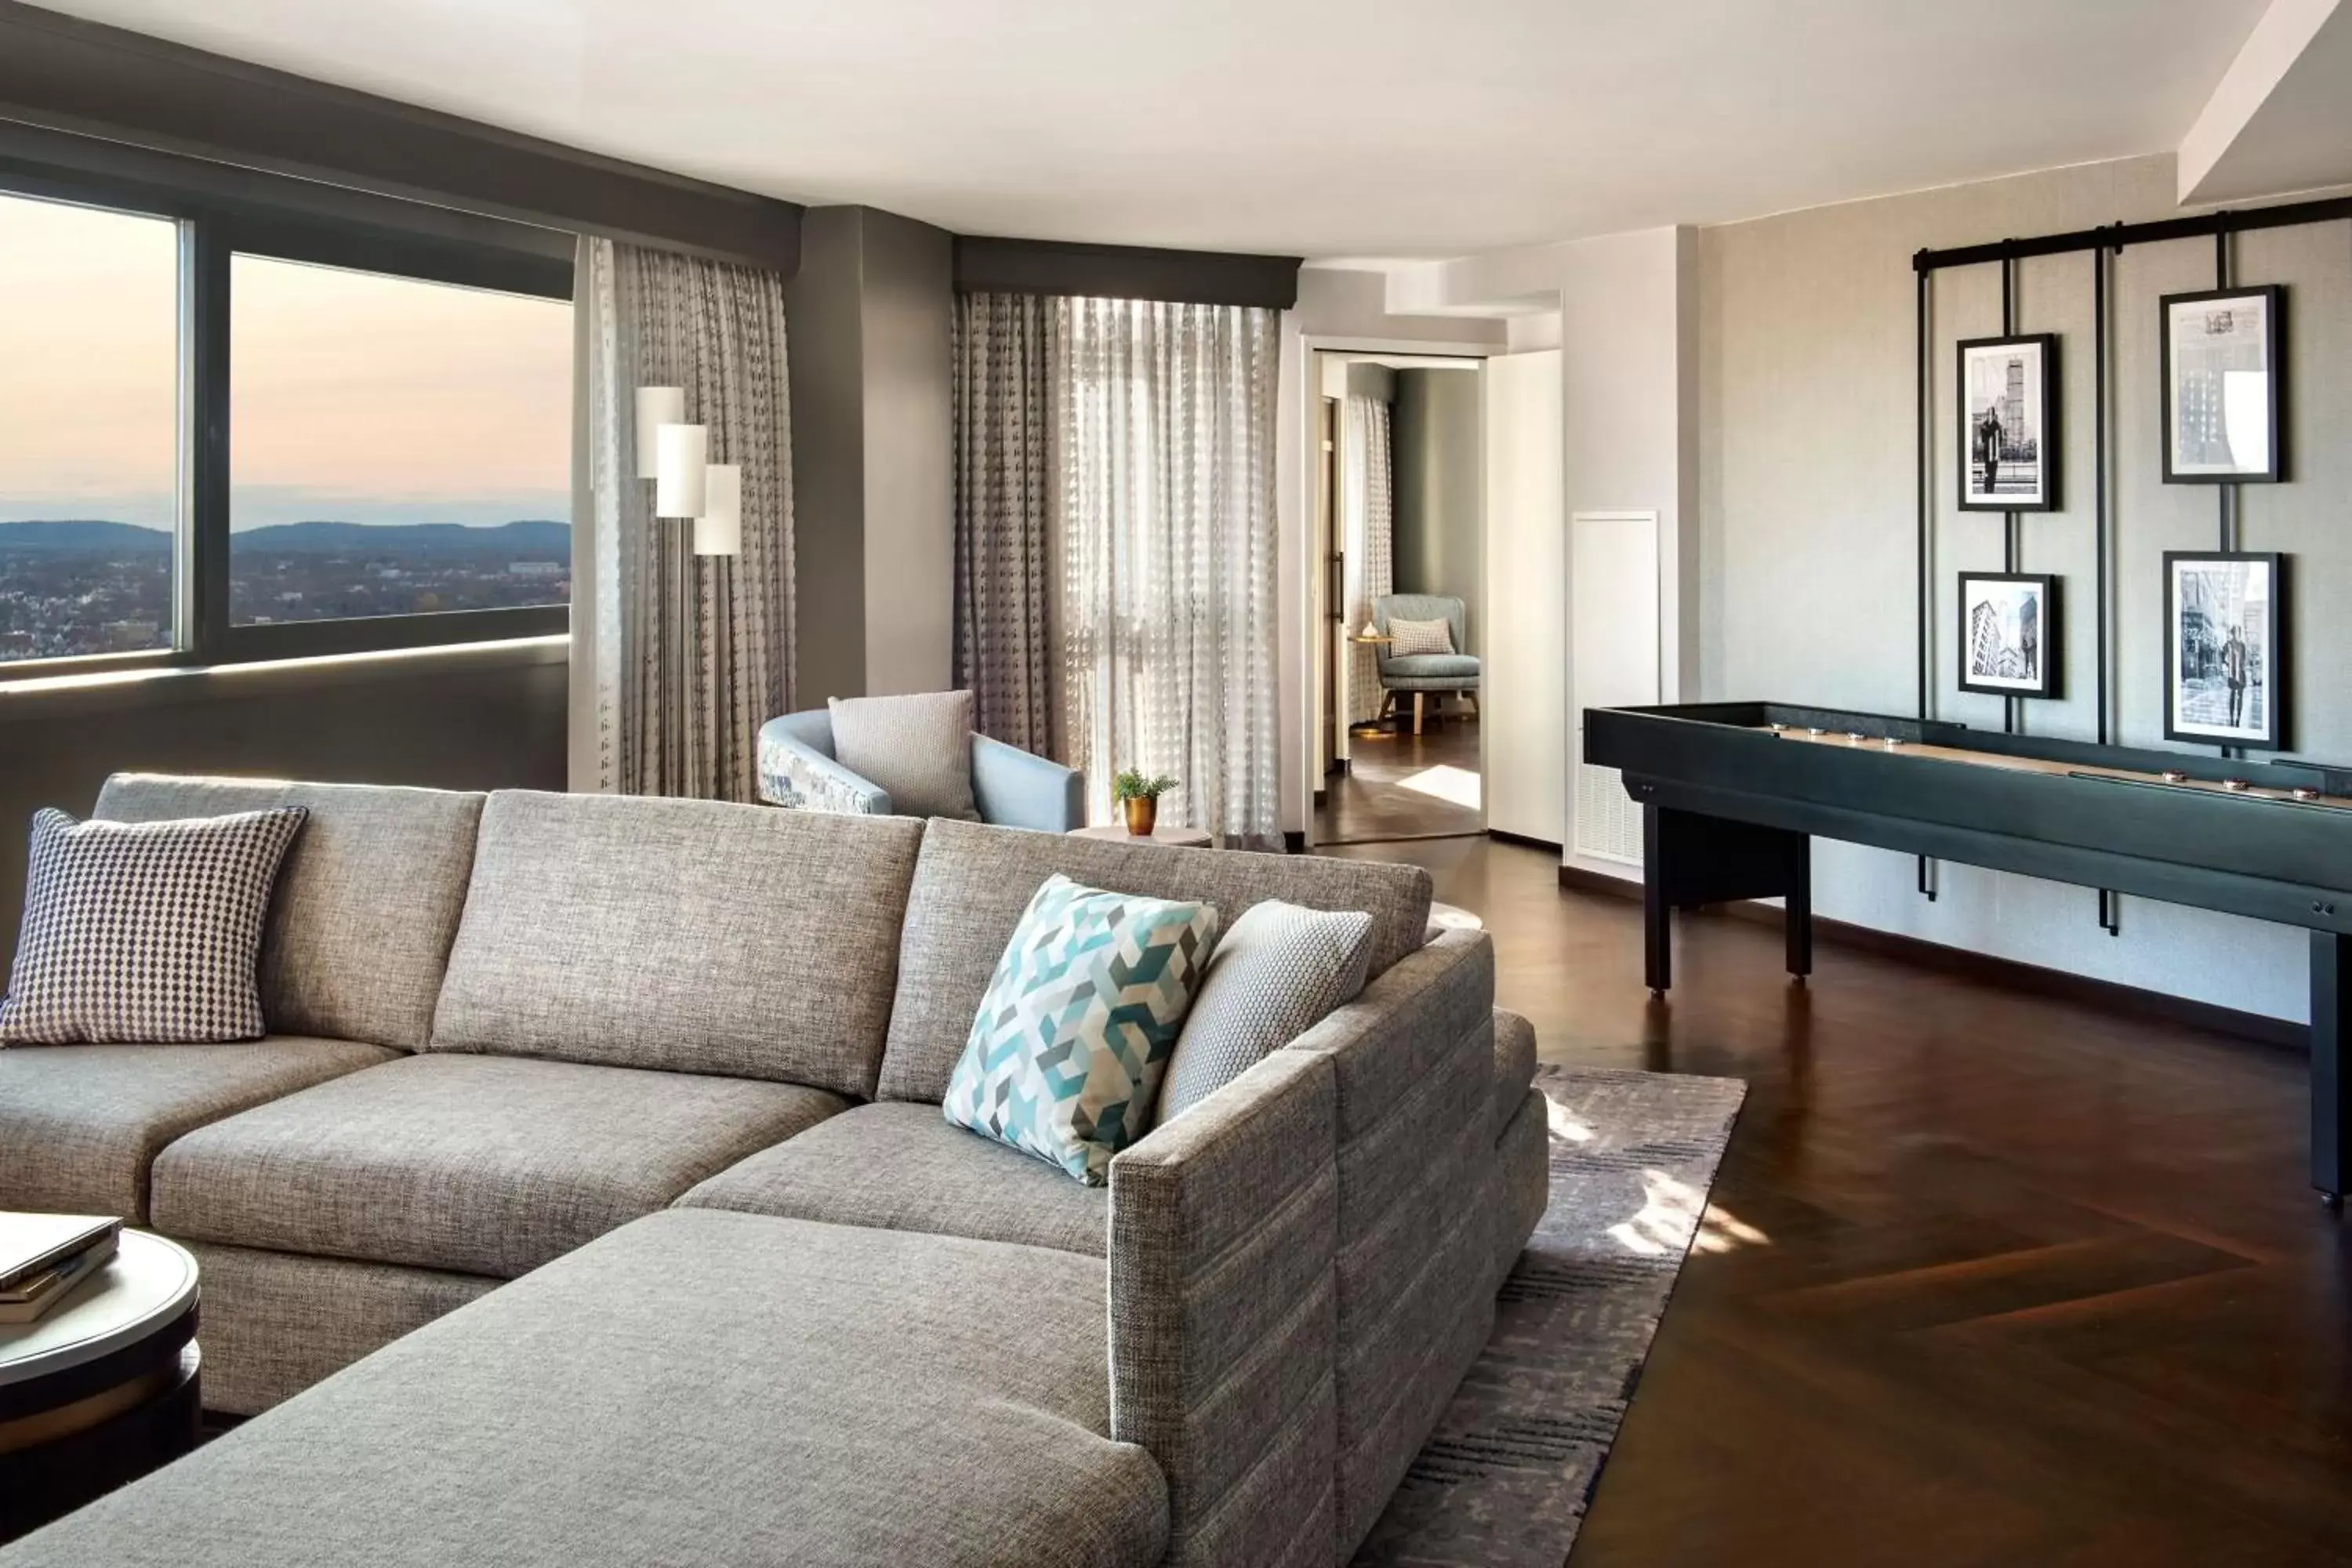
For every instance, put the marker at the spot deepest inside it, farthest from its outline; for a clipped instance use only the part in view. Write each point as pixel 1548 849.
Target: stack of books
pixel 44 1256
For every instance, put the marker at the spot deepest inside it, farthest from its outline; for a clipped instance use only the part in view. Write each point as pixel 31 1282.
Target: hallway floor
pixel 1988 1278
pixel 1403 786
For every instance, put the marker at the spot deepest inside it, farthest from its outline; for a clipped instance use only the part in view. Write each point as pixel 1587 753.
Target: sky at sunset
pixel 354 398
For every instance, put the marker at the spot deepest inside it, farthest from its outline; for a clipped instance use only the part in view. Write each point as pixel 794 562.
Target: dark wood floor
pixel 1371 802
pixel 1999 1280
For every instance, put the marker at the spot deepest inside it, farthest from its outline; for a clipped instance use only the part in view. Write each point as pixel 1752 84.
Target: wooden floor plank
pixel 2021 1283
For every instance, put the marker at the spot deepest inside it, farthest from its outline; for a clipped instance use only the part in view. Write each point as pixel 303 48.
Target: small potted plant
pixel 1138 798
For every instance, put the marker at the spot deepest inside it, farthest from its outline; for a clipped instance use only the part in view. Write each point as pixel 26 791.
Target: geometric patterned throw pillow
pixel 1279 972
pixel 1077 1028
pixel 144 932
pixel 1421 636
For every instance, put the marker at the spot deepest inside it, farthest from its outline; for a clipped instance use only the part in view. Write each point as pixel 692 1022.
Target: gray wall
pixel 871 314
pixel 489 718
pixel 1439 463
pixel 1806 431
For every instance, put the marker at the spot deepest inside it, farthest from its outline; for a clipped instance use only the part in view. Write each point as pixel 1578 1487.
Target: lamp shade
pixel 656 406
pixel 683 451
pixel 720 530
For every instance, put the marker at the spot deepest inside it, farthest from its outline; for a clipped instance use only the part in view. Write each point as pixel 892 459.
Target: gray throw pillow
pixel 145 934
pixel 918 748
pixel 1279 972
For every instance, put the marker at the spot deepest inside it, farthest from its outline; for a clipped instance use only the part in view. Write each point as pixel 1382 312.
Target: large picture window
pixel 397 446
pixel 89 430
pixel 243 419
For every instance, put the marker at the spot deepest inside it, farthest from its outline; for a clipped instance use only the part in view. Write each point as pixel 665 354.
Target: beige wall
pixel 1806 453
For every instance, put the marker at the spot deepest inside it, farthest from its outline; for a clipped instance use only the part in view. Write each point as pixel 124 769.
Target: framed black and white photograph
pixel 2009 423
pixel 2224 656
pixel 2008 633
pixel 2223 374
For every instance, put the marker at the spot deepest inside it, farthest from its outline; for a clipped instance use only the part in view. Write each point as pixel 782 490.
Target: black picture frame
pixel 2269 654
pixel 2274 337
pixel 2049 446
pixel 2048 642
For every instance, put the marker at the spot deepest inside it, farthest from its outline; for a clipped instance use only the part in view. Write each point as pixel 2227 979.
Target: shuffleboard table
pixel 1732 794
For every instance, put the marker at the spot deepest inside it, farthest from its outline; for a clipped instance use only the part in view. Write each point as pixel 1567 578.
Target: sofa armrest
pixel 796 773
pixel 1013 789
pixel 1223 1229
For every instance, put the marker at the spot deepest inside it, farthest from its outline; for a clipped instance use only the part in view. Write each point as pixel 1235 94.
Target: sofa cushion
pixel 80 1125
pixel 682 935
pixel 1515 1069
pixel 482 1165
pixel 1065 1058
pixel 903 1166
pixel 1276 973
pixel 725 1390
pixel 149 932
pixel 367 898
pixel 918 747
pixel 972 882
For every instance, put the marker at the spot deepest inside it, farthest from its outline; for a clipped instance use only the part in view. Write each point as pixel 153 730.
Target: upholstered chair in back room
pixel 913 756
pixel 1420 659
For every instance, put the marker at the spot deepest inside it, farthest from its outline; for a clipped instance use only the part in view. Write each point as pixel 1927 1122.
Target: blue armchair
pixel 1011 788
pixel 1422 673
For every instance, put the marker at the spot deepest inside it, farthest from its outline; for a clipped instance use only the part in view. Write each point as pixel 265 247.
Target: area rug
pixel 1505 1479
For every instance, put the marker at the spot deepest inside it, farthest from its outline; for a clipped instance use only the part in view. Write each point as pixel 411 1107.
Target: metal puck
pixel 2173 776
pixel 2236 787
pixel 2303 792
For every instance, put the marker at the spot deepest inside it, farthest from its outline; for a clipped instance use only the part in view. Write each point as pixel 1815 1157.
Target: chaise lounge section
pixel 679 1080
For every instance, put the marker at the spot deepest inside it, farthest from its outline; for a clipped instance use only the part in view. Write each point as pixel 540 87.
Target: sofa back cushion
pixel 367 898
pixel 691 936
pixel 973 882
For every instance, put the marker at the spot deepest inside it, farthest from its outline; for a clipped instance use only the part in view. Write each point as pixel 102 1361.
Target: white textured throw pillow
pixel 918 748
pixel 1421 636
pixel 1279 972
pixel 145 934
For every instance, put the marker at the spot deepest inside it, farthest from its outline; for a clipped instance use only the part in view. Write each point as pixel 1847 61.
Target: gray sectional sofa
pixel 673 1068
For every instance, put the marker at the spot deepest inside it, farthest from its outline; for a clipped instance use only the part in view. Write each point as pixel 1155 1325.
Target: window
pixel 248 419
pixel 89 430
pixel 397 446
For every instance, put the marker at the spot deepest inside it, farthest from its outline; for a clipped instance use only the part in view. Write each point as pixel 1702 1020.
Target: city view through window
pixel 397 446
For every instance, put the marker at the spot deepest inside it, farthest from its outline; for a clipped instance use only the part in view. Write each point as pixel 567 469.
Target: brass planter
pixel 1142 814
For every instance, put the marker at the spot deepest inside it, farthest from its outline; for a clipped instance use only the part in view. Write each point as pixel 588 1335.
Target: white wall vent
pixel 1608 822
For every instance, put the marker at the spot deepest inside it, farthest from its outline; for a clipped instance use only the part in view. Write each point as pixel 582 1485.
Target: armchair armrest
pixel 1223 1236
pixel 1013 789
pixel 796 773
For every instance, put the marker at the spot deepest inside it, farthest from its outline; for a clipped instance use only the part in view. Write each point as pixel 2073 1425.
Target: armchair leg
pixel 1417 697
pixel 1472 698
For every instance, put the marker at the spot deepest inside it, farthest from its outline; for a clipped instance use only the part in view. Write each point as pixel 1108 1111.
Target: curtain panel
pixel 677 660
pixel 1164 418
pixel 1368 531
pixel 1005 493
pixel 1115 544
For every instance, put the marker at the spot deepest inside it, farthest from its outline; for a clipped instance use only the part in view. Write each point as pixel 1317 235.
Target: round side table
pixel 1166 834
pixel 103 1388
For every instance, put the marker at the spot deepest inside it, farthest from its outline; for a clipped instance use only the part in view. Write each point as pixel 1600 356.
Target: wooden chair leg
pixel 1472 698
pixel 1416 711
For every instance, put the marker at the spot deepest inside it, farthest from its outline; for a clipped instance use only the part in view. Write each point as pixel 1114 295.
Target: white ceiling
pixel 1383 127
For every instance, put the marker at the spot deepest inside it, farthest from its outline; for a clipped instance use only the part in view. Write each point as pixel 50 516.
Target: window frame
pixel 221 214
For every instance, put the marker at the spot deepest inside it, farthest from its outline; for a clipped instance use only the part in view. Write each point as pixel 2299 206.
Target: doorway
pixel 1400 530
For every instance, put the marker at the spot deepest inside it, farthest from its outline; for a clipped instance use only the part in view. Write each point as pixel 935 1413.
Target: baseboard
pixel 1500 837
pixel 2059 984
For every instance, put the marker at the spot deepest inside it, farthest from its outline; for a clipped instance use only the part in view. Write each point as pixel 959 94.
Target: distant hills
pixel 526 539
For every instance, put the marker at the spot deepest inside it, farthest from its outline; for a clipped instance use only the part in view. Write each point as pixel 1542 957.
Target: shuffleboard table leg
pixel 2331 1092
pixel 1657 908
pixel 1797 920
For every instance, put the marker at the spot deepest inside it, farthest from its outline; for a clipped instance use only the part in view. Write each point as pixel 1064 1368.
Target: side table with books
pixel 99 1366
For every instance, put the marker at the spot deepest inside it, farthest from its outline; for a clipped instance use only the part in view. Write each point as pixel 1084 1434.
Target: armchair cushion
pixel 917 747
pixel 1456 667
pixel 1434 636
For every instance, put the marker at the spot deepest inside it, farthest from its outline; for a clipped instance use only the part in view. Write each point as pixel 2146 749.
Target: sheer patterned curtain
pixel 1004 487
pixel 1368 524
pixel 665 703
pixel 1163 421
